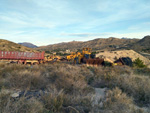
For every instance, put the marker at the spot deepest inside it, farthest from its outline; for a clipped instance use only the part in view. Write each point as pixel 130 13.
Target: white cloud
pixel 88 36
pixel 42 21
pixel 84 34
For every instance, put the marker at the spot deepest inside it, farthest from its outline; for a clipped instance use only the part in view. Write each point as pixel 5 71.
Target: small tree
pixel 138 63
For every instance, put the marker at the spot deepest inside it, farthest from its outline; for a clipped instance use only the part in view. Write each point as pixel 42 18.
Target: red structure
pixel 21 56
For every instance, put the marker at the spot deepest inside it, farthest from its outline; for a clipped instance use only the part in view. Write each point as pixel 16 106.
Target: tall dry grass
pixel 46 78
pixel 118 102
pixel 133 84
pixel 70 88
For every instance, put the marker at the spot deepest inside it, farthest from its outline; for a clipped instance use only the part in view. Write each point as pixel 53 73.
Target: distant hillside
pixel 142 45
pixel 100 43
pixel 11 46
pixel 27 44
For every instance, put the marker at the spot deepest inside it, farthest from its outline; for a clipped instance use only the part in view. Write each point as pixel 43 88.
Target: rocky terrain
pixel 142 45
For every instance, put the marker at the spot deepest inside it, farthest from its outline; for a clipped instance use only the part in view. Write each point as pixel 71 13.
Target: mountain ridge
pixel 28 44
pixel 99 43
pixel 142 45
pixel 110 43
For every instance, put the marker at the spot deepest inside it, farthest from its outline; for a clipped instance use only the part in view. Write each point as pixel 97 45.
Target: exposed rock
pixel 99 96
pixel 15 95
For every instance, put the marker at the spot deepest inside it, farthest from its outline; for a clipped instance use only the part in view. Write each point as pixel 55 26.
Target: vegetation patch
pixel 64 88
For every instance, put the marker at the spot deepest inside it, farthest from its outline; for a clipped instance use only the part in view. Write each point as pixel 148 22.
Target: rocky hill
pixel 27 44
pixel 142 45
pixel 100 43
pixel 11 46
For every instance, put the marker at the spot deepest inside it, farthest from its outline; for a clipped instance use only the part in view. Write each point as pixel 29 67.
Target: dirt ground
pixel 113 55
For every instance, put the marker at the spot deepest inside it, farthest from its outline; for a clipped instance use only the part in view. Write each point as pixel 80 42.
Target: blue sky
pixel 44 22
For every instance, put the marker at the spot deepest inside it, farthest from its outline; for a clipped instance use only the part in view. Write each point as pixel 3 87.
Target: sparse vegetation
pixel 63 88
pixel 6 45
pixel 96 44
pixel 117 101
pixel 138 63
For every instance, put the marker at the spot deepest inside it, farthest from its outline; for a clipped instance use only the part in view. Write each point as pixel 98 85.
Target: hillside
pixel 61 46
pixel 100 43
pixel 27 44
pixel 11 46
pixel 142 45
pixel 113 55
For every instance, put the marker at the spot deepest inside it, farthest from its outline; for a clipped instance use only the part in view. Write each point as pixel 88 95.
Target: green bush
pixel 106 63
pixel 138 63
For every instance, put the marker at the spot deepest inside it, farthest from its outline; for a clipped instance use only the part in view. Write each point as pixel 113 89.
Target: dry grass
pixel 6 45
pixel 112 55
pixel 133 84
pixel 48 77
pixel 22 106
pixel 61 102
pixel 117 101
pixel 70 88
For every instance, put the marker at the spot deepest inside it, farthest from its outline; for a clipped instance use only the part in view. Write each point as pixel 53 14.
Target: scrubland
pixel 64 88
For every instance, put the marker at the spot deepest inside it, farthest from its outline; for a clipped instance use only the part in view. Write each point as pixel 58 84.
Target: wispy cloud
pixel 49 21
pixel 85 34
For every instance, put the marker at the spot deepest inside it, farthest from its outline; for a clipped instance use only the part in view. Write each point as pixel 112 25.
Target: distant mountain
pixel 142 45
pixel 99 43
pixel 6 45
pixel 27 44
pixel 125 38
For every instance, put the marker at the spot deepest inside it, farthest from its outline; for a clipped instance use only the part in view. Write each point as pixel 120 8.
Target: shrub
pixel 26 106
pixel 3 101
pixel 53 102
pixel 142 71
pixel 67 88
pixel 123 77
pixel 67 77
pixel 106 63
pixel 27 79
pixel 138 63
pixel 20 105
pixel 59 102
pixel 117 101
